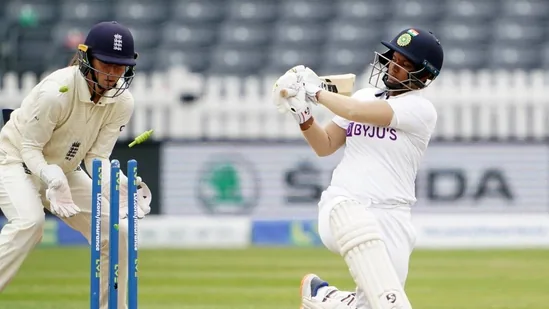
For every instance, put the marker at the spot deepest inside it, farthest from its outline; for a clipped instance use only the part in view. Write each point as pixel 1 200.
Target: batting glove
pixel 289 95
pixel 312 82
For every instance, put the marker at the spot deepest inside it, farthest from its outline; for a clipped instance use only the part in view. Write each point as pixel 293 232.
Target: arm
pixel 36 132
pixel 411 114
pixel 324 141
pixel 376 112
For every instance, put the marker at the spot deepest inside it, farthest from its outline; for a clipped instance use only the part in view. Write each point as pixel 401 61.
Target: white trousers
pixel 397 232
pixel 22 199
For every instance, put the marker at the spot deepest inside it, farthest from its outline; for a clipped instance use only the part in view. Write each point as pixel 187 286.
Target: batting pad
pixel 358 236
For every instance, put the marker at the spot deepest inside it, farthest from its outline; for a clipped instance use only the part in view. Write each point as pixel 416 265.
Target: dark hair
pixel 74 60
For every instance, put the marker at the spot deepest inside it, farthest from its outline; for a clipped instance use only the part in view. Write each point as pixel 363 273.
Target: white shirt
pixel 57 123
pixel 380 164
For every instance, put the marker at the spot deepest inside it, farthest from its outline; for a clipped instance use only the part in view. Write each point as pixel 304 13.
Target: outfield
pixel 269 279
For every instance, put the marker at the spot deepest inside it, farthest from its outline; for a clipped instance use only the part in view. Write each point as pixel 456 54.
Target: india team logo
pixel 404 39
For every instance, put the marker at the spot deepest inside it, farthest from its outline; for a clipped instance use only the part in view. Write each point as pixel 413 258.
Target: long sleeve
pixel 37 130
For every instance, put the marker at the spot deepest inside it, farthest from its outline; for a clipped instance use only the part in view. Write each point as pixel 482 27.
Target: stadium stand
pixel 246 37
pixel 202 54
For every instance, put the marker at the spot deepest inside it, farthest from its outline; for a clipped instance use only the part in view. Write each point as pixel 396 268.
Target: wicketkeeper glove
pixel 58 192
pixel 144 197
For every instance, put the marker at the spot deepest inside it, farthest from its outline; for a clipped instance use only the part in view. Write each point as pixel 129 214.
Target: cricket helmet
pixel 419 46
pixel 112 43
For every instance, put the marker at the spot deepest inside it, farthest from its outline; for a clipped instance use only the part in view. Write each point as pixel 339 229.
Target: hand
pixel 144 196
pixel 58 192
pixel 312 82
pixel 60 199
pixel 289 95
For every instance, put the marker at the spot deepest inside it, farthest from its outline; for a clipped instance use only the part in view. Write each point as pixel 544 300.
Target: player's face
pixel 399 68
pixel 108 74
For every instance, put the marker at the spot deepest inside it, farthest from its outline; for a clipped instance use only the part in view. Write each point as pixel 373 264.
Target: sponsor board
pixel 434 231
pixel 283 181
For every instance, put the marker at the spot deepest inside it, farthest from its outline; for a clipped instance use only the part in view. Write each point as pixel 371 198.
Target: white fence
pixel 471 105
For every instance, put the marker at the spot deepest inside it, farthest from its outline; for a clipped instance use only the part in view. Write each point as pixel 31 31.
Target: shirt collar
pixel 84 94
pixel 383 93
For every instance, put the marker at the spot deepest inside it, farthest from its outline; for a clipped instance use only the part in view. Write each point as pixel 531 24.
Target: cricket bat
pixel 339 83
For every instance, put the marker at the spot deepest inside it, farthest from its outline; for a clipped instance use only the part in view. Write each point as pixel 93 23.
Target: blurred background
pixel 236 187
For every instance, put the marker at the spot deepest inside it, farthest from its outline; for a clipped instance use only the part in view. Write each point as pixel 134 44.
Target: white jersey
pixel 381 163
pixel 57 123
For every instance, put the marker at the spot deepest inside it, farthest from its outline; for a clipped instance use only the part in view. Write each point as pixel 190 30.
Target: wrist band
pixel 307 124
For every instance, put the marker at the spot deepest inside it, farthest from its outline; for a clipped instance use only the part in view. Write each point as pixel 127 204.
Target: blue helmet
pixel 112 43
pixel 422 48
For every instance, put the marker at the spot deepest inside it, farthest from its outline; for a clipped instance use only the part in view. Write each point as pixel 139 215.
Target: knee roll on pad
pixel 358 236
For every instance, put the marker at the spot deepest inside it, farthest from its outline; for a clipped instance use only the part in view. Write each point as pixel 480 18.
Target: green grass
pixel 269 279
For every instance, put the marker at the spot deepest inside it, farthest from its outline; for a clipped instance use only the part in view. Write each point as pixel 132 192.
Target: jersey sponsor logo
pixel 72 151
pixel 122 127
pixel 364 130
